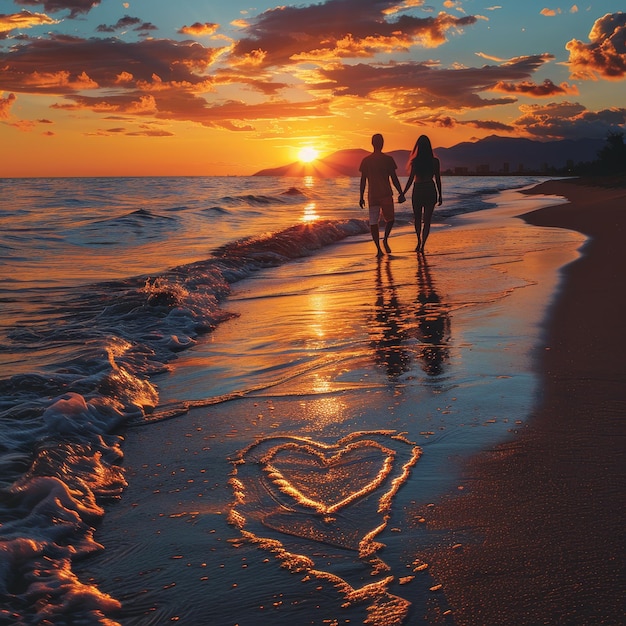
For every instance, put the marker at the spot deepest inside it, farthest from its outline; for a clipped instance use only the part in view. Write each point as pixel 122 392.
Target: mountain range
pixel 491 155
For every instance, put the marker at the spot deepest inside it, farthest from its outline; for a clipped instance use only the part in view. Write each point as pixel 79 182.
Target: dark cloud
pixel 62 64
pixel 145 26
pixel 125 23
pixel 150 133
pixel 490 125
pixel 415 86
pixel 543 90
pixel 605 55
pixel 446 121
pixel 75 7
pixel 141 132
pixel 556 120
pixel 339 28
pixel 569 120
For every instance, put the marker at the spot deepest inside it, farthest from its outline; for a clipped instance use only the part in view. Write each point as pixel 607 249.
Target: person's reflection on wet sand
pixel 433 321
pixel 389 328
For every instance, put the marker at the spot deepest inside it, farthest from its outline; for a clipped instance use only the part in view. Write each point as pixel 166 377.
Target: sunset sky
pixel 221 87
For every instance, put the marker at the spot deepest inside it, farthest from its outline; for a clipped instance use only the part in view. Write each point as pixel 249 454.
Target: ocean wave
pixel 219 210
pixel 293 191
pixel 290 194
pixel 60 441
pixel 136 226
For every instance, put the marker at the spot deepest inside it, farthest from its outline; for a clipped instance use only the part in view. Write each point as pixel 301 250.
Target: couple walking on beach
pixel 378 171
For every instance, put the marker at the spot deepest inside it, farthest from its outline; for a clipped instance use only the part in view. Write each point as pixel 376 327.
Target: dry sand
pixel 541 525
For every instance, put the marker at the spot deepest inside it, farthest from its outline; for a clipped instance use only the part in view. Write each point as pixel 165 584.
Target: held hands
pixel 439 201
pixel 362 203
pixel 401 198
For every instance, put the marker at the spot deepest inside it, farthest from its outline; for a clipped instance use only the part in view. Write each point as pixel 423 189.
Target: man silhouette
pixel 378 171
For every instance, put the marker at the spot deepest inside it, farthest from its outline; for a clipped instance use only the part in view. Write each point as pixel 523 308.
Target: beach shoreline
pixel 175 545
pixel 538 533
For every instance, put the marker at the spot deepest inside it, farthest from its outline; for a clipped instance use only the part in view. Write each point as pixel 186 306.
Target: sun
pixel 308 154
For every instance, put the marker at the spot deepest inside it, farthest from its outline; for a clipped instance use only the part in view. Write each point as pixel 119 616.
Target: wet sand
pixel 343 343
pixel 541 522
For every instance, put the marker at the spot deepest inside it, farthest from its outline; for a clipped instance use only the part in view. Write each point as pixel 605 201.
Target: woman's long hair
pixel 421 159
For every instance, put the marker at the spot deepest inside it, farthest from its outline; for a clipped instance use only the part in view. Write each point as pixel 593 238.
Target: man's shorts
pixel 382 204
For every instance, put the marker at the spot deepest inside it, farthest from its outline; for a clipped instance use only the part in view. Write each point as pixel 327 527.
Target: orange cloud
pixel 65 61
pixel 142 106
pixel 403 6
pixel 490 57
pixel 25 19
pixel 59 81
pixel 454 4
pixel 5 105
pixel 198 29
pixel 181 106
pixel 339 28
pixel 549 12
pixel 605 55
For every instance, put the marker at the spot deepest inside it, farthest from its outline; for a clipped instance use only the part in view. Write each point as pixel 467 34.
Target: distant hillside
pixel 490 155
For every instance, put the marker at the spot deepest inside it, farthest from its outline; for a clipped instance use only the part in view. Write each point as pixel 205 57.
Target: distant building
pixel 483 169
pixel 461 171
pixel 505 168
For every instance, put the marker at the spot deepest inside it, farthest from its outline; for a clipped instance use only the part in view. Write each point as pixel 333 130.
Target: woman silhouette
pixel 423 167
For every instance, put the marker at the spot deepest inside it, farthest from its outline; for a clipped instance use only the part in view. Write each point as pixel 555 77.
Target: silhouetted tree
pixel 612 157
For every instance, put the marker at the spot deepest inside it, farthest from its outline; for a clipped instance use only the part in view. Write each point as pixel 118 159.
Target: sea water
pixel 105 281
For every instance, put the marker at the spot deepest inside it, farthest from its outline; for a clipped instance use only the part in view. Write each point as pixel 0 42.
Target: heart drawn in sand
pixel 325 479
pixel 319 508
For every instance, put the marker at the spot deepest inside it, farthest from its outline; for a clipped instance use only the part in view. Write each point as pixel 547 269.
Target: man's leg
pixel 388 214
pixel 388 227
pixel 374 219
pixel 376 237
